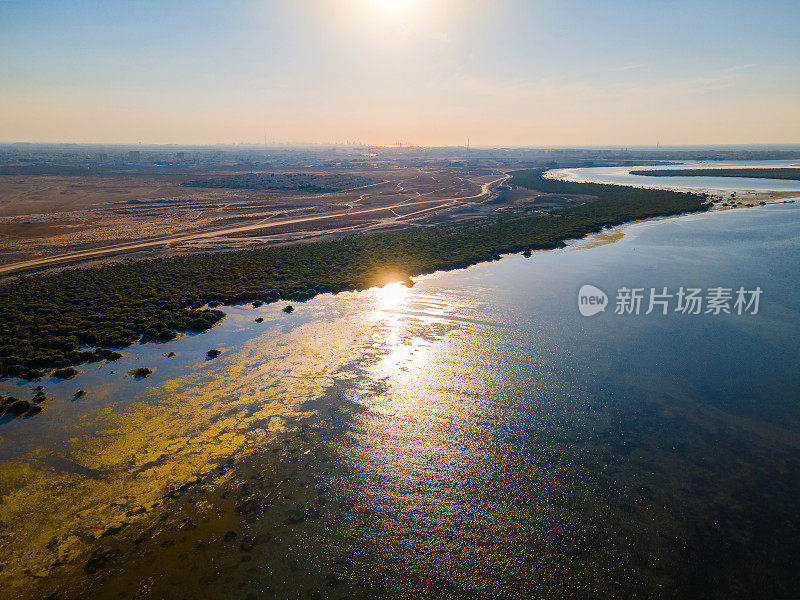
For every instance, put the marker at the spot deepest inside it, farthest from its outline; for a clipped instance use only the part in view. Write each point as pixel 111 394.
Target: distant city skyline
pixel 420 72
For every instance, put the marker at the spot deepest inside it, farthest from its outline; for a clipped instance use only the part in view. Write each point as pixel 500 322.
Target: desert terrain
pixel 55 218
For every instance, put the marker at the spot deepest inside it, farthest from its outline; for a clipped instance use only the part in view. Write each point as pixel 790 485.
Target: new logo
pixel 591 300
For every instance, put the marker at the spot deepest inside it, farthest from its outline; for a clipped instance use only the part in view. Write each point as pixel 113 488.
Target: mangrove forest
pixel 58 320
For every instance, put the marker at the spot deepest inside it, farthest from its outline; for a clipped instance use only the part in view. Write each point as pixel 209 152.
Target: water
pixel 472 436
pixel 534 451
pixel 622 176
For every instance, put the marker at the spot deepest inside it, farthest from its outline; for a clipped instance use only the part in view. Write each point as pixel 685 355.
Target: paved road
pixel 129 247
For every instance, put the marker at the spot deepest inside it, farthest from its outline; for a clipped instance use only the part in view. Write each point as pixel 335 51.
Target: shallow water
pixel 479 438
pixel 622 176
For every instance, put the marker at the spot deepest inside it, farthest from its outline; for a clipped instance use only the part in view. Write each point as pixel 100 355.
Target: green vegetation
pixel 288 309
pixel 67 373
pixel 778 173
pixel 20 407
pixel 213 353
pixel 6 402
pixel 140 372
pixel 16 407
pixel 79 394
pixel 34 410
pixel 300 182
pixel 55 320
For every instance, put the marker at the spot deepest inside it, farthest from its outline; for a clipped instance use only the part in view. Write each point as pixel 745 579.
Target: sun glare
pixel 394 7
pixel 391 295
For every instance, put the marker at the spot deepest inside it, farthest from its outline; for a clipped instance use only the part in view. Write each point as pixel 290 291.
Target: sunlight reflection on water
pixel 498 442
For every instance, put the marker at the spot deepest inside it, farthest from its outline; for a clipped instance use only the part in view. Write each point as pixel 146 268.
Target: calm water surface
pixel 622 176
pixel 480 437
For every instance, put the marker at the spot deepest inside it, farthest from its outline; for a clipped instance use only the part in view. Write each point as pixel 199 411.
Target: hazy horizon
pixel 417 72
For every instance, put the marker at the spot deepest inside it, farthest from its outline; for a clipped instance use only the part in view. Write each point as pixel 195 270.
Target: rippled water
pixel 531 449
pixel 480 437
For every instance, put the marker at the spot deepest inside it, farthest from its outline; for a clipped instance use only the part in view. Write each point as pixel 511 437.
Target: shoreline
pixel 277 512
pixel 792 173
pixel 138 483
pixel 148 300
pixel 272 502
pixel 615 234
pixel 572 174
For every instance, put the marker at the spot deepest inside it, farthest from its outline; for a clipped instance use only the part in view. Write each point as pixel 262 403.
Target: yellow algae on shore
pixel 169 435
pixel 605 237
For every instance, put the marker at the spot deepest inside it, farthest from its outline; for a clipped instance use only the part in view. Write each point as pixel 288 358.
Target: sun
pixel 392 295
pixel 394 7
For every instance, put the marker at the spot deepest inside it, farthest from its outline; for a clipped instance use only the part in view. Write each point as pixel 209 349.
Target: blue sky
pixel 417 71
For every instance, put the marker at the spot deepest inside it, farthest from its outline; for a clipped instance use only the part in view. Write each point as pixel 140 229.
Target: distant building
pixel 134 155
pixel 180 155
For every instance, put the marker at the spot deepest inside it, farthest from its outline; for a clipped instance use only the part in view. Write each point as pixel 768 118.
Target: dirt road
pixel 486 191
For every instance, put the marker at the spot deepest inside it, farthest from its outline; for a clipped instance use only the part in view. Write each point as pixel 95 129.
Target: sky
pixel 496 72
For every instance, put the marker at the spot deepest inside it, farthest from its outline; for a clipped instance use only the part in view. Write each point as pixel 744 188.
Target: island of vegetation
pixel 57 320
pixel 213 353
pixel 67 373
pixel 140 372
pixel 776 173
pixel 20 408
pixel 299 182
